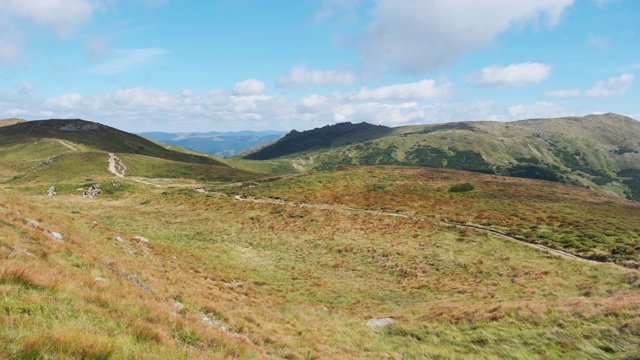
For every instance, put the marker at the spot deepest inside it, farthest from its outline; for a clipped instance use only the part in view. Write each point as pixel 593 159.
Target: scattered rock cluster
pixel 35 225
pixel 94 190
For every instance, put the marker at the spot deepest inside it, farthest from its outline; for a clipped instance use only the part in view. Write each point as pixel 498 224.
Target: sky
pixel 230 65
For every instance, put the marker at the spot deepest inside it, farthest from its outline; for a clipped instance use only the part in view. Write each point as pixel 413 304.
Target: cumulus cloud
pixel 63 16
pixel 614 86
pixel 415 36
pixel 301 77
pixel 378 113
pixel 123 60
pixel 512 76
pixel 563 93
pixel 250 87
pixel 421 90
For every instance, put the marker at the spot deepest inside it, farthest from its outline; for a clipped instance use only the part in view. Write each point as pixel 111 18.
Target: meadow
pixel 225 278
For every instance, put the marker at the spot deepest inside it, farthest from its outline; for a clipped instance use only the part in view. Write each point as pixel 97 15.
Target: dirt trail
pixel 477 228
pixel 68 146
pixel 116 166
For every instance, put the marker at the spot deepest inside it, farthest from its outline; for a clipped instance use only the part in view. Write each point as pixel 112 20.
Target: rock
pixel 94 223
pixel 144 240
pixel 94 190
pixel 232 284
pixel 119 239
pixel 57 236
pixel 380 322
pixel 32 224
pixel 51 191
pixel 100 279
pixel 178 305
pixel 201 190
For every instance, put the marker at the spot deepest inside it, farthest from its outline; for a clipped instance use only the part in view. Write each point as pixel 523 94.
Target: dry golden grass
pixel 300 282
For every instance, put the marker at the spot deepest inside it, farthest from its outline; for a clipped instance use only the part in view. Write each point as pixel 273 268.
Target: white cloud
pixel 345 9
pixel 96 46
pixel 425 89
pixel 540 109
pixel 377 113
pixel 512 76
pixel 603 3
pixel 598 42
pixel 126 59
pixel 250 87
pixel 415 36
pixel 63 16
pixel 614 86
pixel 301 77
pixel 11 44
pixel 564 93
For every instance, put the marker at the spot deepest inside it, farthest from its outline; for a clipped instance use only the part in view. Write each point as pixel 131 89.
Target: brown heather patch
pixel 146 331
pixel 67 343
pixel 301 282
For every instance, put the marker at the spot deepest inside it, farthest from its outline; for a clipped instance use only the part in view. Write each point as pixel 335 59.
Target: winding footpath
pixel 117 167
pixel 476 228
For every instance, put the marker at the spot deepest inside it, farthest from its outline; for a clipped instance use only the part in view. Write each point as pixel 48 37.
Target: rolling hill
pixel 70 149
pixel 190 260
pixel 597 151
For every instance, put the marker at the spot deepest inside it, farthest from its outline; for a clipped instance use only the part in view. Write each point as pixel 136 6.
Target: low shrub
pixel 464 187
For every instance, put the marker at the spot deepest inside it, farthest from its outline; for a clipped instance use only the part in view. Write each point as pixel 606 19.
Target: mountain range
pixel 595 151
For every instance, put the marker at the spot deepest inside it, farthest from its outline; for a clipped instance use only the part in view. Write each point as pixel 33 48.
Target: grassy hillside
pixel 95 136
pixel 70 151
pixel 11 121
pixel 597 151
pixel 299 272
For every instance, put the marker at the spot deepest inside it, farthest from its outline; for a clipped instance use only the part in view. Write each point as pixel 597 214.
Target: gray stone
pixel 57 236
pixel 380 322
pixel 143 239
pixel 32 224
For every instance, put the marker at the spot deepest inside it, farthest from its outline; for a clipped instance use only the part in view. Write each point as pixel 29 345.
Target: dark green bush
pixel 461 187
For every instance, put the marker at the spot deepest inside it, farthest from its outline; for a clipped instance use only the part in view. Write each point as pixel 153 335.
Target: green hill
pixel 597 151
pixel 11 121
pixel 61 150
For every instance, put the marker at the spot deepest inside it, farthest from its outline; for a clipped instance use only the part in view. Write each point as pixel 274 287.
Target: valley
pixel 353 262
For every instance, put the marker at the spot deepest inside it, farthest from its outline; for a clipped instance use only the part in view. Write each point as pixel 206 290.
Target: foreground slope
pixel 296 267
pixel 597 151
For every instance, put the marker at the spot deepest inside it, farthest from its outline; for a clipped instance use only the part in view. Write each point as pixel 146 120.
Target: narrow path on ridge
pixel 117 167
pixel 477 228
pixel 68 146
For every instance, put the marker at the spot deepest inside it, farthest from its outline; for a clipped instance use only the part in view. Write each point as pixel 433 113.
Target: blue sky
pixel 227 65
